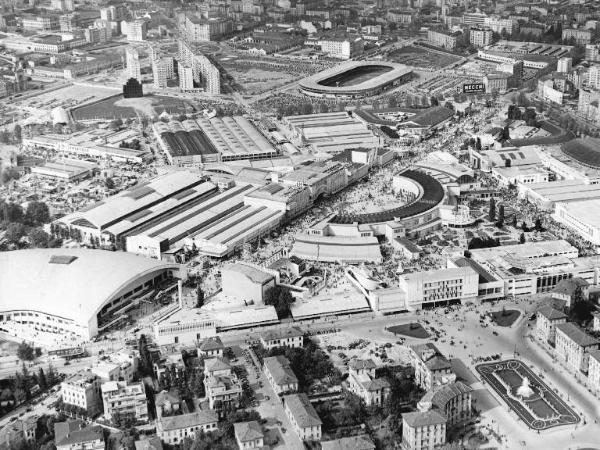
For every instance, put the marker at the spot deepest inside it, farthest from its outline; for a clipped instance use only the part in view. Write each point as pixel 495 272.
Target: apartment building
pixel 198 29
pixel 444 39
pixel 423 430
pixel 77 435
pixel 453 401
pixel 125 401
pixel 211 347
pixel 480 37
pixel 431 367
pixel 41 22
pixel 594 372
pixel 500 25
pixel 204 72
pixel 547 318
pixel 302 415
pixel 135 31
pixel 363 382
pixel 573 346
pixel 173 430
pixel 162 71
pixel 280 374
pixel 342 48
pixel 132 64
pixel 83 390
pixel 581 36
pixel 221 384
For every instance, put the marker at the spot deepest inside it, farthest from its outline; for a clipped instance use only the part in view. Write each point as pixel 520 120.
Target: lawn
pixel 506 317
pixel 421 57
pixel 116 107
pixel 413 330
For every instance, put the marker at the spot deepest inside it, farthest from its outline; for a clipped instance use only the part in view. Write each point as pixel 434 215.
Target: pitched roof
pixel 569 285
pixel 248 431
pixel 273 335
pixel 441 396
pixel 577 335
pixel 423 419
pixel 215 364
pixel 303 411
pixel 363 442
pixel 280 369
pixel 212 343
pixel 194 419
pixel 76 432
pixel 551 314
pixel 149 443
pixel 360 364
pixel 171 396
pixel 376 384
pixel 431 356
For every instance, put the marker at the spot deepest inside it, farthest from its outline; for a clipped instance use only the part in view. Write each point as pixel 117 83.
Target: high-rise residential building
pixel 95 35
pixel 135 31
pixel 480 36
pixel 564 65
pixel 186 78
pixel 113 13
pixel 581 36
pixel 132 62
pixel 342 48
pixel 592 52
pixel 203 69
pixel 477 19
pixel 62 5
pixel 594 76
pixel 443 39
pixel 162 71
pixel 124 400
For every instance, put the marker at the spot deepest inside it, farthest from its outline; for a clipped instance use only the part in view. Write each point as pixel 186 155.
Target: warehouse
pixel 70 170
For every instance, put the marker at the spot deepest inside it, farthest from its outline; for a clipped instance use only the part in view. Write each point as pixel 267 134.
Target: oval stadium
pixel 356 79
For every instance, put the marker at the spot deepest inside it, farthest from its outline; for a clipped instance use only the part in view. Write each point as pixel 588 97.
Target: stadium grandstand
pixel 431 195
pixel 356 79
pixel 340 249
pixel 586 151
pixel 49 294
pixel 212 140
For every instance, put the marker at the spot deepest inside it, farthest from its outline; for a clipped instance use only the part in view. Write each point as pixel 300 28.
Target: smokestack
pixel 180 293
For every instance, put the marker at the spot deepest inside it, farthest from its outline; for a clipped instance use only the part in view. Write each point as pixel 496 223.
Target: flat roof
pixel 585 211
pixel 322 305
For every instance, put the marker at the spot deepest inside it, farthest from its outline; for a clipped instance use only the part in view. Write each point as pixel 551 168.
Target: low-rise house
pixel 453 401
pixel 432 368
pixel 280 374
pixel 18 433
pixel 302 415
pixel 423 430
pixel 167 403
pixel 290 337
pixel 76 435
pixel 173 363
pixel 148 443
pixel 362 442
pixel 573 346
pixel 249 435
pixel 124 401
pixel 211 347
pixel 362 382
pixel 174 429
pixel 546 320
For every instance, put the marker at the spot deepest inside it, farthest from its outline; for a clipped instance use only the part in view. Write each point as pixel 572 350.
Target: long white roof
pixel 69 283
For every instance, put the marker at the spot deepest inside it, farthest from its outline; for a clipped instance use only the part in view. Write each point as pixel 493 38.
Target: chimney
pixel 180 293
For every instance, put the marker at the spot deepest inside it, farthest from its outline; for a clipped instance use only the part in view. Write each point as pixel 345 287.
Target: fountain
pixel 525 391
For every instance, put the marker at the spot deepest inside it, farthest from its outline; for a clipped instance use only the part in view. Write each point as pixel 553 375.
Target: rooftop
pixel 248 431
pixel 577 335
pixel 551 314
pixel 280 369
pixel 283 333
pixel 189 420
pixel 362 442
pixel 423 419
pixel 302 410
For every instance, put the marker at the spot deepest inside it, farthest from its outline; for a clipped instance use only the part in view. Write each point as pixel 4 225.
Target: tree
pixel 15 232
pixel 37 213
pixel 500 221
pixel 10 173
pixel 522 238
pixel 492 210
pixel 17 133
pixel 538 225
pixel 109 183
pixel 41 379
pixel 25 352
pixel 199 296
pixel 38 238
pixel 281 299
pixel 116 124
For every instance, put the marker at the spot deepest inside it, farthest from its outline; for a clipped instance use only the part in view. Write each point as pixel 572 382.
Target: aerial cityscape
pixel 299 224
